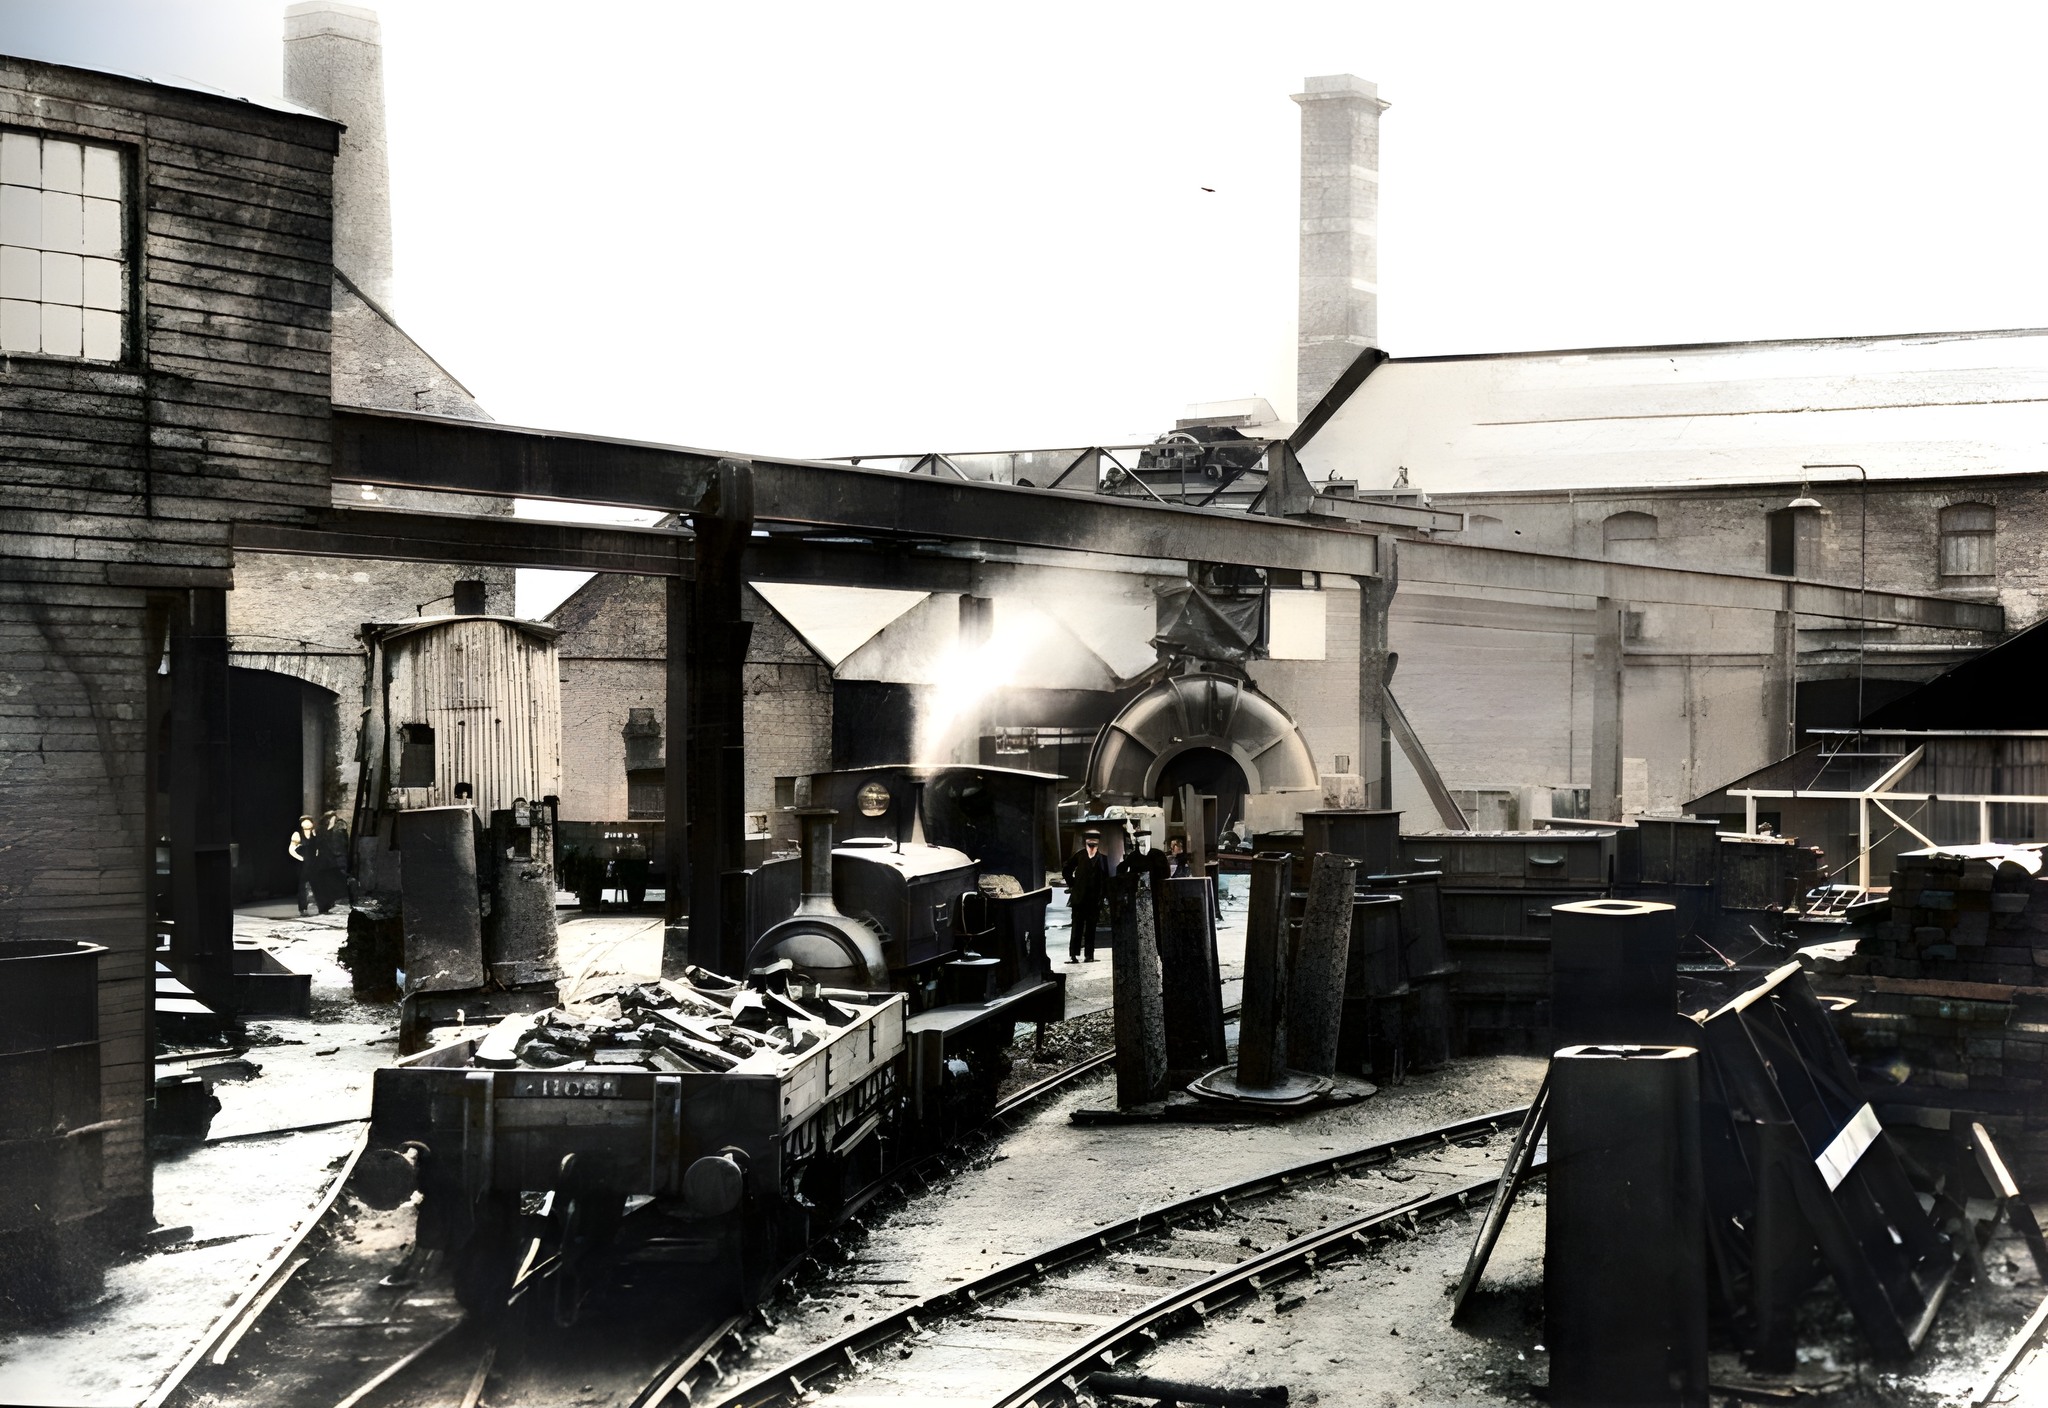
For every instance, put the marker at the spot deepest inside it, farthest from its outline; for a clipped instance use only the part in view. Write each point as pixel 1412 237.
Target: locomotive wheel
pixel 483 1266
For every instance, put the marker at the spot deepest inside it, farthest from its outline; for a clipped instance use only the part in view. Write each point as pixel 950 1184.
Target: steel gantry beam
pixel 437 453
pixel 1491 568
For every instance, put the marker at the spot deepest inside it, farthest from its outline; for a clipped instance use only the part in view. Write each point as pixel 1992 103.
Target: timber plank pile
pixel 1948 1014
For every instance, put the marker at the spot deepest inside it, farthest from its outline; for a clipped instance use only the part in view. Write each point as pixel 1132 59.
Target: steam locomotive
pixel 917 933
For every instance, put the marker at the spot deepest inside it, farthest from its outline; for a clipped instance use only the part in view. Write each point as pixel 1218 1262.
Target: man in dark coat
pixel 1088 889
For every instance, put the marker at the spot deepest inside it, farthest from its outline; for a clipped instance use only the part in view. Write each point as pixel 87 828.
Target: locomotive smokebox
pixel 823 943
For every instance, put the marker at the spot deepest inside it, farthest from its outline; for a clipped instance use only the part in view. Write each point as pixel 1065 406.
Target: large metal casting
pixel 1625 1256
pixel 1140 1020
pixel 1614 972
pixel 1199 711
pixel 1261 1076
pixel 1192 1005
pixel 1315 993
pixel 1262 1032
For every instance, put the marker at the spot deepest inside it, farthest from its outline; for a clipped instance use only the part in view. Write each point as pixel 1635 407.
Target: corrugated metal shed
pixel 490 689
pixel 1730 413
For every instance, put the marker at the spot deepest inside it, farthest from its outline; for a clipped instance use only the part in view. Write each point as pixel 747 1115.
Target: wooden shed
pixel 462 699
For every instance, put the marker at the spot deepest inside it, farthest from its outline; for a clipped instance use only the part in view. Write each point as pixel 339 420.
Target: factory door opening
pixel 1212 773
pixel 281 743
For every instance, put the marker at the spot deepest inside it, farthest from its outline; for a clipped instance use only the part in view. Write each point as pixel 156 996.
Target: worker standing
pixel 1088 887
pixel 1141 862
pixel 304 847
pixel 330 875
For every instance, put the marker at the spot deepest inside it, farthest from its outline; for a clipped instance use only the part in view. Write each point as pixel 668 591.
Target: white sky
pixel 832 228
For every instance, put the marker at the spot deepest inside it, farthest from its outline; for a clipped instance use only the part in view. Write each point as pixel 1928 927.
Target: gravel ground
pixel 1051 1180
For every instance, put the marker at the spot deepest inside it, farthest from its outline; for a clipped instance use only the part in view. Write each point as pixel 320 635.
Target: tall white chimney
pixel 1340 206
pixel 334 64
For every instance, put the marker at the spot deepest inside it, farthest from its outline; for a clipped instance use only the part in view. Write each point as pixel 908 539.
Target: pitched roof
pixel 1921 406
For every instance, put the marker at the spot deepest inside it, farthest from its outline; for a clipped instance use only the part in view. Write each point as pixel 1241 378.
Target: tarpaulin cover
pixel 1213 618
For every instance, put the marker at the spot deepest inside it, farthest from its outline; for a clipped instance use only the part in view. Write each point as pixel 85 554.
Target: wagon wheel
pixel 484 1265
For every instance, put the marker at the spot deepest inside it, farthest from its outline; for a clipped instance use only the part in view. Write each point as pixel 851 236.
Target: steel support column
pixel 675 733
pixel 1375 746
pixel 202 898
pixel 1605 802
pixel 716 742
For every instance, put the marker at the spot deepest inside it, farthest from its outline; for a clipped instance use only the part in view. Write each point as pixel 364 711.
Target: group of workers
pixel 1097 885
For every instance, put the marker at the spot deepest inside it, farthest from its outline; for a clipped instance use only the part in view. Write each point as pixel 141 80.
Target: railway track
pixel 372 1343
pixel 1021 1333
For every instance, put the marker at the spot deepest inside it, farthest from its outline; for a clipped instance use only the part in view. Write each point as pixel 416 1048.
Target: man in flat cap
pixel 1088 890
pixel 1141 862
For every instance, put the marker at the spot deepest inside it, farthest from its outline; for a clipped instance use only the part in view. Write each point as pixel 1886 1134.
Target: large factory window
pixel 63 270
pixel 416 755
pixel 1966 540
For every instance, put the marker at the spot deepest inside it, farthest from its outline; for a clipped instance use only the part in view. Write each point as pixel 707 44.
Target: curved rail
pixel 789 1381
pixel 1119 1344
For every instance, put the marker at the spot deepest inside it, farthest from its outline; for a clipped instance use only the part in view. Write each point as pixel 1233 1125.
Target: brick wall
pixel 1724 529
pixel 613 649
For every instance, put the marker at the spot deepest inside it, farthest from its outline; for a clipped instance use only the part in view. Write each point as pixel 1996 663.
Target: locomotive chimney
pixel 816 830
pixel 334 64
pixel 1340 238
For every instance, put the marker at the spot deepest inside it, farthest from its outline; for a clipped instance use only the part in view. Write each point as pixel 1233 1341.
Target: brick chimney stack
pixel 334 64
pixel 1340 205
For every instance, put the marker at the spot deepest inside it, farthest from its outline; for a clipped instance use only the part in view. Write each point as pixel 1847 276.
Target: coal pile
pixel 701 1023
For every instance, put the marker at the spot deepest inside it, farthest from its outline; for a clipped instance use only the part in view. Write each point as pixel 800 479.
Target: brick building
pixel 1879 464
pixel 614 697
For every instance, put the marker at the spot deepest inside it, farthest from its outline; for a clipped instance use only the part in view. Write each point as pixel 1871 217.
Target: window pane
pixel 102 233
pixel 21 217
pixel 21 326
pixel 63 222
pixel 1629 527
pixel 63 166
pixel 1967 518
pixel 62 278
pixel 102 172
pixel 103 284
pixel 102 335
pixel 21 159
pixel 63 335
pixel 21 273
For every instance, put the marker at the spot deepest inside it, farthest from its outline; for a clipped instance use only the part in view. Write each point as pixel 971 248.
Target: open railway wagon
pixel 733 1170
pixel 887 975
